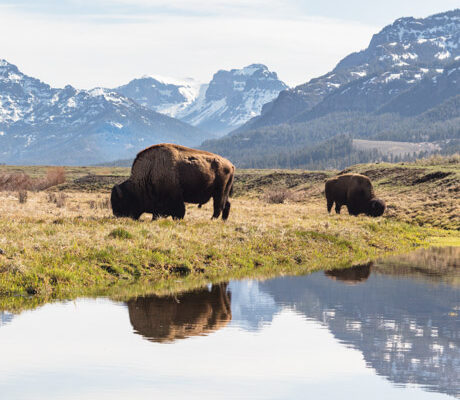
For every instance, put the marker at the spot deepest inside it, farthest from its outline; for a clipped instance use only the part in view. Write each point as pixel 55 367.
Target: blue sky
pixel 108 42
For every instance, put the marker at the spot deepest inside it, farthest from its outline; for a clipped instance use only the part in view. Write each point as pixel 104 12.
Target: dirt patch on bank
pixel 92 183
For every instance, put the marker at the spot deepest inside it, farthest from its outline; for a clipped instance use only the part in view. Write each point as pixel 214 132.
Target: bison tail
pixel 230 182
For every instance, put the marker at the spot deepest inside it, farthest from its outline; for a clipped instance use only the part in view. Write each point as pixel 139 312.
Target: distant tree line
pixel 326 142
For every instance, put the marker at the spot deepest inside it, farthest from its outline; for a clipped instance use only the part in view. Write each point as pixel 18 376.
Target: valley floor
pixel 64 242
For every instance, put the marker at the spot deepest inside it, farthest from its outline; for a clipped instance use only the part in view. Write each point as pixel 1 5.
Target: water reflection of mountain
pixel 167 318
pixel 251 307
pixel 406 324
pixel 407 330
pixel 5 318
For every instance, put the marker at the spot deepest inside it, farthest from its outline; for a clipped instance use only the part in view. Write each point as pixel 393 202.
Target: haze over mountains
pixel 404 87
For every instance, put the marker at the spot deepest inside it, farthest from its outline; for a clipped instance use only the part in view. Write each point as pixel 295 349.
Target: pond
pixel 387 330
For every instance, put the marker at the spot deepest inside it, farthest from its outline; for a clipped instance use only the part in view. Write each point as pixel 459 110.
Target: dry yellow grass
pixel 75 247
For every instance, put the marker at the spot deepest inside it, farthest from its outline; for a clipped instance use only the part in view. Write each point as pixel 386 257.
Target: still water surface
pixel 383 331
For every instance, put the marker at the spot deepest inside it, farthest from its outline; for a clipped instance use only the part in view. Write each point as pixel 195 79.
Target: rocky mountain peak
pixel 231 97
pixel 398 58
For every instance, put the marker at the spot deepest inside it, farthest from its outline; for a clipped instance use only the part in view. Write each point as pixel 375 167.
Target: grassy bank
pixel 63 242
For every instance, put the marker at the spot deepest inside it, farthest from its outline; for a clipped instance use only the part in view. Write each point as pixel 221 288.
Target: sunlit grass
pixel 51 252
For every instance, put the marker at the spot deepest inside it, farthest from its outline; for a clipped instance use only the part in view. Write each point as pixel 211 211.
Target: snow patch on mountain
pixel 232 98
pixel 162 94
pixel 397 58
pixel 228 101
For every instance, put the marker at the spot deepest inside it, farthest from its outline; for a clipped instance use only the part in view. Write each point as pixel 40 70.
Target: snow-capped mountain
pixel 398 58
pixel 165 95
pixel 232 98
pixel 41 124
pixel 228 101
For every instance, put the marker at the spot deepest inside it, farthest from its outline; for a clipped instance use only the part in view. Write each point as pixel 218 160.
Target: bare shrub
pixel 15 181
pixel 277 195
pixel 51 198
pixel 55 176
pixel 297 196
pixel 105 203
pixel 22 181
pixel 22 196
pixel 61 200
pixel 58 199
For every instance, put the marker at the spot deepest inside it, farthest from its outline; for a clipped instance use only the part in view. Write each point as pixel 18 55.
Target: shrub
pixel 55 176
pixel 16 181
pixel 22 181
pixel 22 196
pixel 99 204
pixel 277 195
pixel 58 199
pixel 120 233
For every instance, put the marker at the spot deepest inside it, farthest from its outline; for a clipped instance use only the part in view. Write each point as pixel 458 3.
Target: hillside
pixel 396 60
pixel 404 87
pixel 314 144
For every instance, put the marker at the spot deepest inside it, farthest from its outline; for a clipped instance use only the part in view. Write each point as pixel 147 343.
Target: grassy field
pixel 387 147
pixel 63 242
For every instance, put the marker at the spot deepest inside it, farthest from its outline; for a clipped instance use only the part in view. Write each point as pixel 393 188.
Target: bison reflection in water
pixel 168 318
pixel 166 176
pixel 353 275
pixel 354 191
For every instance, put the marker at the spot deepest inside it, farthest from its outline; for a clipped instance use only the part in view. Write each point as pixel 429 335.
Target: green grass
pixel 52 253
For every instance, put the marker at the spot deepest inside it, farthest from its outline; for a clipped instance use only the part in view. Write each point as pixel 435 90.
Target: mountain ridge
pixel 420 53
pixel 230 99
pixel 391 91
pixel 41 124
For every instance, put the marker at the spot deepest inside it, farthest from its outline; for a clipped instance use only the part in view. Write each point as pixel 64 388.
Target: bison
pixel 352 275
pixel 165 319
pixel 354 191
pixel 166 176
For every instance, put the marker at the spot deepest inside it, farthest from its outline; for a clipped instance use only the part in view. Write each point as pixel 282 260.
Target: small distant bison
pixel 165 176
pixel 354 191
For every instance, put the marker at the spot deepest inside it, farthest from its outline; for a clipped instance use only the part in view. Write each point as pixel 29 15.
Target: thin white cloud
pixel 87 54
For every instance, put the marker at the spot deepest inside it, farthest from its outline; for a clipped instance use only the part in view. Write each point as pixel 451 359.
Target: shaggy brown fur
pixel 165 176
pixel 166 319
pixel 354 191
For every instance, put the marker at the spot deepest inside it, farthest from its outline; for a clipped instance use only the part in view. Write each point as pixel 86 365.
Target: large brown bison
pixel 169 318
pixel 165 176
pixel 354 191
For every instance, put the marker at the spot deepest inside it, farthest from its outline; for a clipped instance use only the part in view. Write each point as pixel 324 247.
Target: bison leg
pixel 178 210
pixel 217 205
pixel 226 210
pixel 329 205
pixel 338 206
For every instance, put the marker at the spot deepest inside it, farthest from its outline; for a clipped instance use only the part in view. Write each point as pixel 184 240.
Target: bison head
pixel 376 208
pixel 125 201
